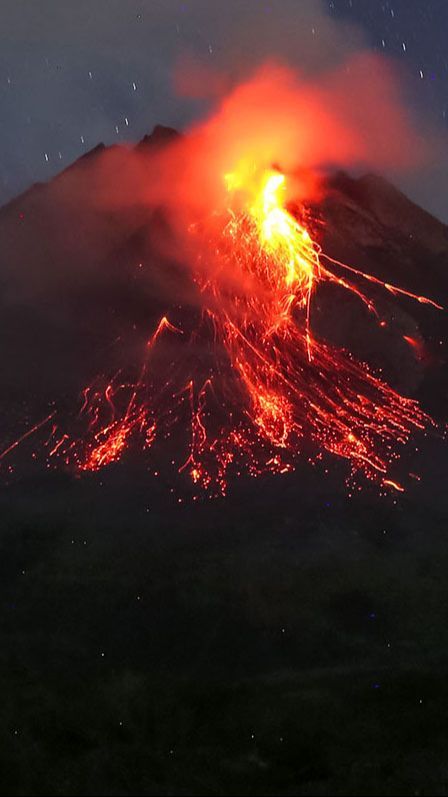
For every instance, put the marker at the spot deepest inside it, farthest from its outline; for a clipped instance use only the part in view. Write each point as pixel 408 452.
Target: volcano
pixel 85 285
pixel 287 640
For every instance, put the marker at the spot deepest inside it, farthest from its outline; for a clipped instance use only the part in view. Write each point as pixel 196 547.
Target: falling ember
pixel 26 435
pixel 274 390
pixel 417 345
pixel 394 485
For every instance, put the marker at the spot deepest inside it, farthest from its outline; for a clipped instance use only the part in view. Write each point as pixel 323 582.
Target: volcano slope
pixel 287 639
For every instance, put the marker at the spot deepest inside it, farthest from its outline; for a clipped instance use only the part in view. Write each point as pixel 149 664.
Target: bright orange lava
pixel 274 389
pixel 296 386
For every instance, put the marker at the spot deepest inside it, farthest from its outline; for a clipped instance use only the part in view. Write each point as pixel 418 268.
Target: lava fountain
pixel 271 390
pixel 279 387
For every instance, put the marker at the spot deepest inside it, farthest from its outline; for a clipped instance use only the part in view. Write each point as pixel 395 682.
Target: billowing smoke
pixel 83 73
pixel 347 117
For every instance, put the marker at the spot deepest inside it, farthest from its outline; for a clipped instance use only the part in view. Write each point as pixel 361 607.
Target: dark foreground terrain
pixel 273 643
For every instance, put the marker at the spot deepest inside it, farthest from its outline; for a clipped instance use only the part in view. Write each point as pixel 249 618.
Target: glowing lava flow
pixel 296 386
pixel 273 390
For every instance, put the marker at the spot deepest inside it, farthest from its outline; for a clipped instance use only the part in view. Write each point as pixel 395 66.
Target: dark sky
pixel 76 72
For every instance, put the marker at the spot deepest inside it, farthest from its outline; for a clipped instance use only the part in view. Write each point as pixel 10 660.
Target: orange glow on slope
pixel 282 390
pixel 249 387
pixel 295 385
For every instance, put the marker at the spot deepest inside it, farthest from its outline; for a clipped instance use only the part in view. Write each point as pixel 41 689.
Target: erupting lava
pixel 264 388
pixel 273 388
pixel 295 386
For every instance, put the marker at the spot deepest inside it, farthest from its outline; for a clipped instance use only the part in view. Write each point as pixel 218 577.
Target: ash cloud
pixel 70 70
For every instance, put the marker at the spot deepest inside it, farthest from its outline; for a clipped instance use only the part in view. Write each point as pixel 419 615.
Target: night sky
pixel 73 74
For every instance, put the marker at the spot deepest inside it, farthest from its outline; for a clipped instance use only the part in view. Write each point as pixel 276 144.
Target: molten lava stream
pixel 268 386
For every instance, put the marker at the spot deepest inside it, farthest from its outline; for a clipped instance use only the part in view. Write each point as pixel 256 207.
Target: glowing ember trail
pixel 273 390
pixel 296 386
